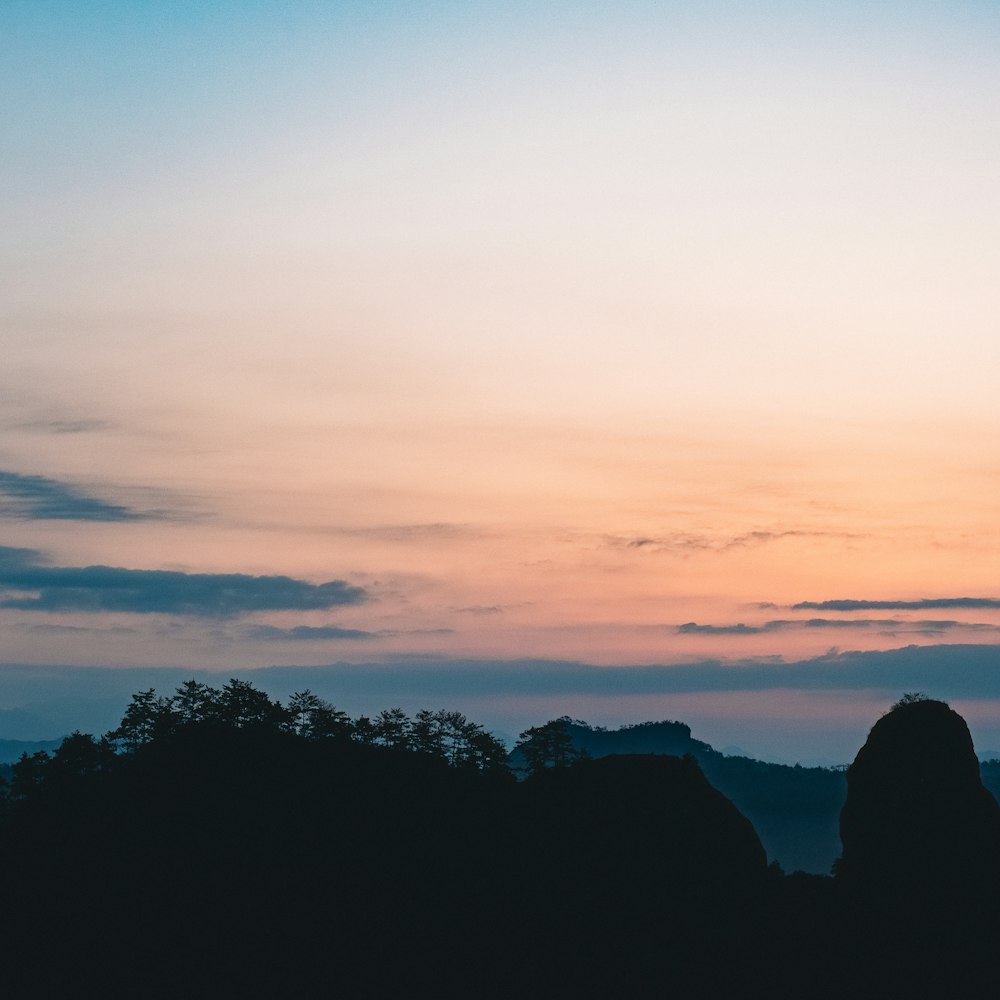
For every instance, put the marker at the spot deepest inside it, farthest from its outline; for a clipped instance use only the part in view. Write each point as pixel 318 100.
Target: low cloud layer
pixel 947 671
pixel 970 671
pixel 45 702
pixel 36 498
pixel 28 583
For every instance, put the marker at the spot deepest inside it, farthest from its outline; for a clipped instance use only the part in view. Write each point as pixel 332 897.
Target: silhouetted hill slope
pixel 651 823
pixel 795 810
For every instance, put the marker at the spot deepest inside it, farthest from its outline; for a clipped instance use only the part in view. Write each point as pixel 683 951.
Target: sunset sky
pixel 631 334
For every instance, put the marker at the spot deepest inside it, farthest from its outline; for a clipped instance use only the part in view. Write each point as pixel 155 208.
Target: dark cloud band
pixel 37 586
pixel 922 605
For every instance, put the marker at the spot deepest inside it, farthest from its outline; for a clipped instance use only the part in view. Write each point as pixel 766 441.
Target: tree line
pixel 238 705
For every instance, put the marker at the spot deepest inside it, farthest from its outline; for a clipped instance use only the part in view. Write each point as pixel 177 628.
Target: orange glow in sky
pixel 556 333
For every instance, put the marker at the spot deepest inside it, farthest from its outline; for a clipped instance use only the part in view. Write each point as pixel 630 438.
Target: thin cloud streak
pixel 307 633
pixel 926 627
pixel 37 498
pixel 412 533
pixel 683 543
pixel 55 426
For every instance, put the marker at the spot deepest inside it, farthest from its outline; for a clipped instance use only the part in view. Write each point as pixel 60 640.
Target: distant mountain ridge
pixel 12 750
pixel 795 810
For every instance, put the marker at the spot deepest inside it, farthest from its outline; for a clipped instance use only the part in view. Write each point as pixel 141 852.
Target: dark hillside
pixel 218 844
pixel 232 856
pixel 795 810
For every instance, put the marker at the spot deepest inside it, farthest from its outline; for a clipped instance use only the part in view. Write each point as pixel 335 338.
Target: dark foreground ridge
pixel 795 810
pixel 219 844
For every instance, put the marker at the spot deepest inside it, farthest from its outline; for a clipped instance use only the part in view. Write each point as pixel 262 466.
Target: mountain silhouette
pixel 220 844
pixel 795 810
pixel 916 810
pixel 918 878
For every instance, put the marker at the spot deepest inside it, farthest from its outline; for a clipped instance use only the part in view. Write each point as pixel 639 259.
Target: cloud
pixel 677 543
pixel 947 671
pixel 480 609
pixel 921 605
pixel 35 498
pixel 306 633
pixel 49 629
pixel 54 700
pixel 56 426
pixel 416 533
pixel 754 538
pixel 693 628
pixel 37 586
pixel 925 627
pixel 681 543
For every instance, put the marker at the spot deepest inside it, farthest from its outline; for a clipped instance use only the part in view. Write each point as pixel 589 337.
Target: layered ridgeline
pixel 795 810
pixel 13 750
pixel 220 844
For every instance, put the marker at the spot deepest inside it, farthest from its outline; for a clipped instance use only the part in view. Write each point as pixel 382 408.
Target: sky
pixel 498 339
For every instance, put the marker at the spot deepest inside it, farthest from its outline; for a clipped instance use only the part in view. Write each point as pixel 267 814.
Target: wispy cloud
pixel 754 538
pixel 922 605
pixel 36 498
pixel 51 629
pixel 33 585
pixel 438 531
pixel 686 543
pixel 62 426
pixel 924 627
pixel 306 633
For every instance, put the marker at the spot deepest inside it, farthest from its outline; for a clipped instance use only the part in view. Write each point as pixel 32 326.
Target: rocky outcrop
pixel 917 814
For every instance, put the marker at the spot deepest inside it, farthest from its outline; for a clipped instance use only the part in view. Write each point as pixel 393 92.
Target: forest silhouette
pixel 219 843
